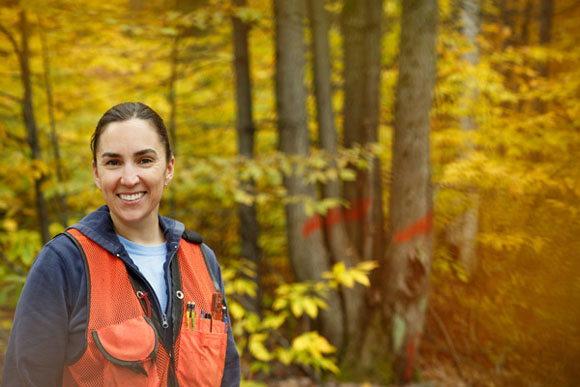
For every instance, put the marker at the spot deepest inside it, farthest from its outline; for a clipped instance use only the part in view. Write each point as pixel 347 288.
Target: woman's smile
pixel 132 197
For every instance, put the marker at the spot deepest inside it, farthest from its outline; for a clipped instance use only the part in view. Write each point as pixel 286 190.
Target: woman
pixel 125 296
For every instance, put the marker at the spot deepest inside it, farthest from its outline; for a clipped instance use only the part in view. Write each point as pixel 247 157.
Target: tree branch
pixel 10 96
pixel 448 340
pixel 10 37
pixel 15 268
pixel 20 140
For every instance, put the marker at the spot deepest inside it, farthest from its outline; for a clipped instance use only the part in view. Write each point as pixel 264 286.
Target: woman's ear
pixel 96 175
pixel 170 170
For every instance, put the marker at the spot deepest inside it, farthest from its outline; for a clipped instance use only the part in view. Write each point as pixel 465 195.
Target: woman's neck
pixel 147 232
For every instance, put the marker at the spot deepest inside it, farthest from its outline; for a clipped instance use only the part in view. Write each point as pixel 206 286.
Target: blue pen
pixel 193 316
pixel 225 324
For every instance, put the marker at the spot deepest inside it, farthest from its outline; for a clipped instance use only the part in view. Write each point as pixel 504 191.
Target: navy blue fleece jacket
pixel 50 323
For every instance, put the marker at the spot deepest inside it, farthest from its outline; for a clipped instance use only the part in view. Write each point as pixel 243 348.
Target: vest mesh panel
pixel 112 300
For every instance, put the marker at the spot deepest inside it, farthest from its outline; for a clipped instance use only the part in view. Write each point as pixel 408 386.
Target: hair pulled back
pixel 126 111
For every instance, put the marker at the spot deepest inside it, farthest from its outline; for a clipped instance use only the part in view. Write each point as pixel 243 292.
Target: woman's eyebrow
pixel 109 154
pixel 138 153
pixel 146 151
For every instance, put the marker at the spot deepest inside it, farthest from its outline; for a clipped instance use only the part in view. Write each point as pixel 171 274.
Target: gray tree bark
pixel 338 241
pixel 308 255
pixel 361 24
pixel 462 231
pixel 30 123
pixel 408 259
pixel 60 198
pixel 249 228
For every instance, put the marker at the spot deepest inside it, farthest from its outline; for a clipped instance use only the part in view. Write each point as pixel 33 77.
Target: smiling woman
pixel 112 290
pixel 131 170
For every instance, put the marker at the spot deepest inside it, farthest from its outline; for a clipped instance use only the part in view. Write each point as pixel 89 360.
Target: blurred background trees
pixel 391 187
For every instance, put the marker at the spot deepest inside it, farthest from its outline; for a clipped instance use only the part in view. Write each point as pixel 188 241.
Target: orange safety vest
pixel 123 346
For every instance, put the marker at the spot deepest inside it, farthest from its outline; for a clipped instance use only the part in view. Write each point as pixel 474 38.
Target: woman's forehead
pixel 132 135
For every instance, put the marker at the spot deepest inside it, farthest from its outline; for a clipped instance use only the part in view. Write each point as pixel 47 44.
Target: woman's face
pixel 131 171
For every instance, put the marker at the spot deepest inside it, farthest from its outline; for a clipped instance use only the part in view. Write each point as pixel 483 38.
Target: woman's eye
pixel 112 163
pixel 146 160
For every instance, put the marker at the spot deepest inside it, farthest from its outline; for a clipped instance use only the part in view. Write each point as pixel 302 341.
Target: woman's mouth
pixel 132 197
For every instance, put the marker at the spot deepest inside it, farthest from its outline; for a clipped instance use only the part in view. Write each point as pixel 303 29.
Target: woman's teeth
pixel 131 196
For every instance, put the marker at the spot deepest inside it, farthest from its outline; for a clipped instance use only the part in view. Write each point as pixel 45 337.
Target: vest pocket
pixel 130 349
pixel 202 354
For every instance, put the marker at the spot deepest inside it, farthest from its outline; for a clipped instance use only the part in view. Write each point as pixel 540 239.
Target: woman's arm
pixel 50 318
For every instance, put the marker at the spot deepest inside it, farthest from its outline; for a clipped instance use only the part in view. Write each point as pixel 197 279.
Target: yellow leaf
pixel 339 268
pixel 361 278
pixel 274 321
pixel 236 310
pixel 10 225
pixel 257 347
pixel 297 308
pixel 310 308
pixel 280 303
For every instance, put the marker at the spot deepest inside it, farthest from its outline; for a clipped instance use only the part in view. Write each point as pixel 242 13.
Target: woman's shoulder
pixel 59 254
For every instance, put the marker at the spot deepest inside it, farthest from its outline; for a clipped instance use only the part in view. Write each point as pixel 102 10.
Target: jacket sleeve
pixel 232 370
pixel 39 342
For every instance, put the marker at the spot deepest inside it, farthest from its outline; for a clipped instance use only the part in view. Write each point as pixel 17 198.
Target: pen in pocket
pixel 190 316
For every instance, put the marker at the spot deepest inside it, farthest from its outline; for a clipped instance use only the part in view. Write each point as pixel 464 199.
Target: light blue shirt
pixel 150 261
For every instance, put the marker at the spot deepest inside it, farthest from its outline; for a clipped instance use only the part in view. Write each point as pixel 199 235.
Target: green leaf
pixel 347 174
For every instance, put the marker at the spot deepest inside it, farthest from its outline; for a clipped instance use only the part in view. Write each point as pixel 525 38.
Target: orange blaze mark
pixel 335 215
pixel 422 226
pixel 410 359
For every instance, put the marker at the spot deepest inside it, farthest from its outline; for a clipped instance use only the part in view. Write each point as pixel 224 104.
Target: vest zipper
pixel 164 323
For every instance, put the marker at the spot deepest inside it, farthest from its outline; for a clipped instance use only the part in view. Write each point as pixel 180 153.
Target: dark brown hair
pixel 126 111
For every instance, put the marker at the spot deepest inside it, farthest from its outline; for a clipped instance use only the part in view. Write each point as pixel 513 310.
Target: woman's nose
pixel 129 177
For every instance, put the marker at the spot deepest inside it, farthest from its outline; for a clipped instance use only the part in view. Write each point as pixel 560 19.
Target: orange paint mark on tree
pixel 356 211
pixel 421 226
pixel 410 359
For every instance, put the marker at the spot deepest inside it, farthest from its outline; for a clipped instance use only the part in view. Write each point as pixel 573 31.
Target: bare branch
pixel 15 268
pixel 20 140
pixel 454 354
pixel 10 37
pixel 10 96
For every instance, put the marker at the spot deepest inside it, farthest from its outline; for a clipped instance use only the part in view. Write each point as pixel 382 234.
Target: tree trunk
pixel 172 125
pixel 408 259
pixel 30 123
pixel 249 227
pixel 308 256
pixel 525 34
pixel 361 22
pixel 545 17
pixel 462 231
pixel 60 198
pixel 337 238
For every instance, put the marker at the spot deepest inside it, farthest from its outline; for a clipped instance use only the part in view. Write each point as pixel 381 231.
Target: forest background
pixel 419 221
